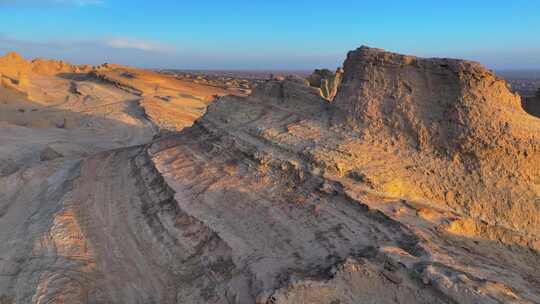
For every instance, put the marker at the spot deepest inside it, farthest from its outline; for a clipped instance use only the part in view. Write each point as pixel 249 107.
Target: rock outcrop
pixel 327 81
pixel 462 123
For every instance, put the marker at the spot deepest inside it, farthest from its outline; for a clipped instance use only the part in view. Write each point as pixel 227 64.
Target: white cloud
pixel 113 43
pixel 119 50
pixel 126 43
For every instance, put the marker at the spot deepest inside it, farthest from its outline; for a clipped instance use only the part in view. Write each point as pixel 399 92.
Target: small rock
pixel 49 154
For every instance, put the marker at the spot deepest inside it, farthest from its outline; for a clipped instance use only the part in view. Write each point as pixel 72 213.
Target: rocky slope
pixel 416 184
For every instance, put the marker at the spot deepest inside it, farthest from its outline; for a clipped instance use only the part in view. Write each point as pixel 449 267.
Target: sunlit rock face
pixel 13 64
pixel 468 131
pixel 414 183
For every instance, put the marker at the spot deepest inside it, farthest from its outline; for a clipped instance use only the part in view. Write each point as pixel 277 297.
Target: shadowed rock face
pixel 532 104
pixel 401 189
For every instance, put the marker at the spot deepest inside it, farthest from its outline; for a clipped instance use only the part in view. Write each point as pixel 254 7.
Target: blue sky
pixel 269 34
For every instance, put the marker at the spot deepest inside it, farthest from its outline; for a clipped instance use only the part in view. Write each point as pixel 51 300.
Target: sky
pixel 269 34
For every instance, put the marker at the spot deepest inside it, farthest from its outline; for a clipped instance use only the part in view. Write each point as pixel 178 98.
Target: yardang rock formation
pixel 416 183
